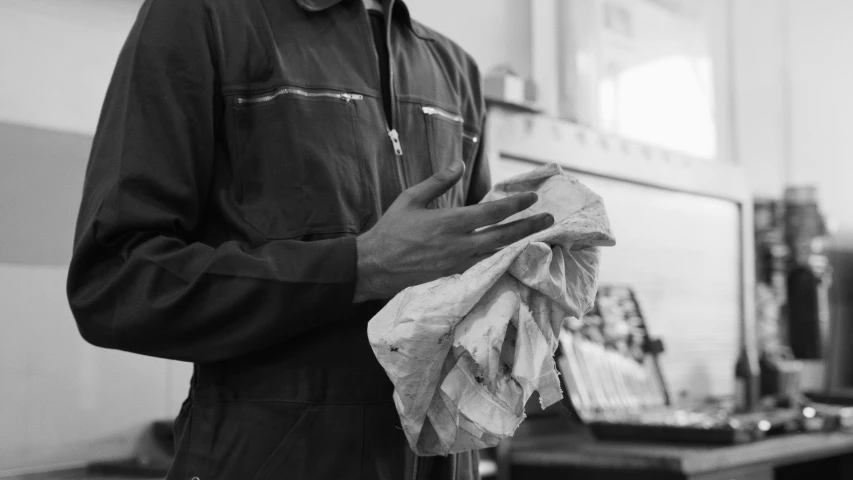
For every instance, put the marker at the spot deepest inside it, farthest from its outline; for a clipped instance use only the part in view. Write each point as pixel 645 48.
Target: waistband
pixel 316 385
pixel 332 364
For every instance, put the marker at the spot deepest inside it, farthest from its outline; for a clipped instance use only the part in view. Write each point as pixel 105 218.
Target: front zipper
pixel 437 112
pixel 415 468
pixel 392 131
pixel 393 135
pixel 347 97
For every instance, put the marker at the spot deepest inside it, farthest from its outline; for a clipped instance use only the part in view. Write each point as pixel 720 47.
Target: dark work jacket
pixel 241 149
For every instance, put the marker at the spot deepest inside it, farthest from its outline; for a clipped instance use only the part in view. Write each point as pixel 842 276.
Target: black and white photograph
pixel 426 240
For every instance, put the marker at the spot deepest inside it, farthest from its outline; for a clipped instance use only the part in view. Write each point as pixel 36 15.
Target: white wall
pixel 791 79
pixel 494 32
pixel 57 58
pixel 760 117
pixel 716 18
pixel 821 103
pixel 63 401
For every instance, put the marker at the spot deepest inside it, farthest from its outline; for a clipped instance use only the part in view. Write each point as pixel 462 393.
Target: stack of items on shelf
pixel 792 294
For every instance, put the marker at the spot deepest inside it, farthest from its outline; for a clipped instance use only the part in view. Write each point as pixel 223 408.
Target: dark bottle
pixel 746 382
pixel 769 378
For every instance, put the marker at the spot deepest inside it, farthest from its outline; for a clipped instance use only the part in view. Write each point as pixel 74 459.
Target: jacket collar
pixel 401 11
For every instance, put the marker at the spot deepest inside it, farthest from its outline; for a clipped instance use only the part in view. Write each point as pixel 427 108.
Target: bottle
pixel 746 382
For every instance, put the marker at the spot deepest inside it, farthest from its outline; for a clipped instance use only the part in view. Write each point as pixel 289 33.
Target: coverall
pixel 242 147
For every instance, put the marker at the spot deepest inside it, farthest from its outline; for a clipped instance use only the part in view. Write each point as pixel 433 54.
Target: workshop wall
pixel 71 401
pixel 791 101
pixel 68 50
pixel 66 401
pixel 758 81
pixel 506 41
pixel 820 76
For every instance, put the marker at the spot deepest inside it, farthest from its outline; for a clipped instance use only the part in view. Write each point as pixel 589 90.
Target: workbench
pixel 577 456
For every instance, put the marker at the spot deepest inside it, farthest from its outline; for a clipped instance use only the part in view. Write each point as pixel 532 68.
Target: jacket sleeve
pixel 137 281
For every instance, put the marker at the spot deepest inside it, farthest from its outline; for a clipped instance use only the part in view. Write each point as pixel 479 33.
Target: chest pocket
pixel 300 162
pixel 449 140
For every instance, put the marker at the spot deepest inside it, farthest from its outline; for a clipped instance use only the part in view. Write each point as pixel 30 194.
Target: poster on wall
pixel 641 70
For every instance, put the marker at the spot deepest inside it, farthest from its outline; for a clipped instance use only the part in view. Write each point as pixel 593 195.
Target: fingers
pixel 490 213
pixel 433 187
pixel 500 236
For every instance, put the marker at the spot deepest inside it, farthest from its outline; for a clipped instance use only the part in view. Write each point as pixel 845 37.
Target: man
pixel 266 173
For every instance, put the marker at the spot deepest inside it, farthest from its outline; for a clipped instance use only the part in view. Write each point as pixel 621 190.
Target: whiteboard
pixel 681 252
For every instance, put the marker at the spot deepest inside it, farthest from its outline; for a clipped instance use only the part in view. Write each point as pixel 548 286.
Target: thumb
pixel 433 187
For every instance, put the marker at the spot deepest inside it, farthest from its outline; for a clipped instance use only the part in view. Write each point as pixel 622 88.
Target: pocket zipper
pixel 433 111
pixel 443 114
pixel 347 97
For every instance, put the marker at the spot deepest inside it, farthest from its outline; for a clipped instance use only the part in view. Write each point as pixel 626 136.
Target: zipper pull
pixel 395 141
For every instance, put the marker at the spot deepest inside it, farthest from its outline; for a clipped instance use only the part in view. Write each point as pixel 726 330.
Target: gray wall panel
pixel 41 181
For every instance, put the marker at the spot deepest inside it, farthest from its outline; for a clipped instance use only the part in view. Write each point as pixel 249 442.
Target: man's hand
pixel 411 244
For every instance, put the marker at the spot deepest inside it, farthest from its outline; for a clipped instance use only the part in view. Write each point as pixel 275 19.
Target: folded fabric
pixel 465 352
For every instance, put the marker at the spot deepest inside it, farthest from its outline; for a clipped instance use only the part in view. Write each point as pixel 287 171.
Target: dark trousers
pixel 302 424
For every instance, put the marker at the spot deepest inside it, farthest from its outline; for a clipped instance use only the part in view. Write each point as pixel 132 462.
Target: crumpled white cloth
pixel 465 352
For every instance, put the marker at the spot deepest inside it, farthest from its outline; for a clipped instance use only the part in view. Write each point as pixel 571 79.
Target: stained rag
pixel 465 352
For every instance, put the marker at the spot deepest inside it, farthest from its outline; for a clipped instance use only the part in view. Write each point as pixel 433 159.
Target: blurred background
pixel 717 132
